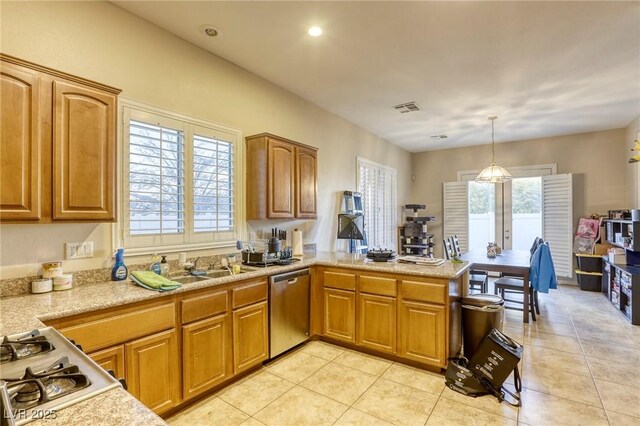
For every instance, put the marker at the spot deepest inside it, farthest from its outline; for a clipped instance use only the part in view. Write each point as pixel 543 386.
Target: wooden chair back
pixel 455 245
pixel 448 250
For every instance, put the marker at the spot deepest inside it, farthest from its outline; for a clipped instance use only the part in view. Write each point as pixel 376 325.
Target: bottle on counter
pixel 155 264
pixel 164 267
pixel 120 270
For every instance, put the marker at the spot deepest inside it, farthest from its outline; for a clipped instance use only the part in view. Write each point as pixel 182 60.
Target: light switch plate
pixel 79 250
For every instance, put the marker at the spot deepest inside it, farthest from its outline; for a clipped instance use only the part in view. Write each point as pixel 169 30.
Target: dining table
pixel 515 262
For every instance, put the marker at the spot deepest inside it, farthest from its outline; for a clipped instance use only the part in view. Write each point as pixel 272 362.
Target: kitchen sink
pixel 189 279
pixel 217 273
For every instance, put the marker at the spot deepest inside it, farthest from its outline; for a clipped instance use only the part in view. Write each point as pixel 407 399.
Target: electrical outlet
pixel 79 250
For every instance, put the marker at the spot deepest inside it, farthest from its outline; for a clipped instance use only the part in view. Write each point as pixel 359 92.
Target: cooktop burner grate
pixel 25 346
pixel 59 379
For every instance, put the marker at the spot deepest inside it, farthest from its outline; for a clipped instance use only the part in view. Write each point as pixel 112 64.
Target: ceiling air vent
pixel 439 137
pixel 407 107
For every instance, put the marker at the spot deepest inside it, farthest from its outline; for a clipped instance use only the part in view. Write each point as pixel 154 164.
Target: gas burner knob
pixel 123 382
pixel 76 345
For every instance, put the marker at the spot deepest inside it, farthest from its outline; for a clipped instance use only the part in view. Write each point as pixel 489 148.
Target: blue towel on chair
pixel 542 272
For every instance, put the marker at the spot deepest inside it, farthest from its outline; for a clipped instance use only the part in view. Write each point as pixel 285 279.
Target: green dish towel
pixel 153 281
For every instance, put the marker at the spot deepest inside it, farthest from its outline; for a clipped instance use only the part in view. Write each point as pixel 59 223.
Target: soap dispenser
pixel 164 267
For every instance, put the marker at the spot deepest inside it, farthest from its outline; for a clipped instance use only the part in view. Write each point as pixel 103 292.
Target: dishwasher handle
pixel 290 277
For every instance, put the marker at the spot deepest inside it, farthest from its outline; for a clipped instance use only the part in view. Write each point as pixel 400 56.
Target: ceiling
pixel 544 68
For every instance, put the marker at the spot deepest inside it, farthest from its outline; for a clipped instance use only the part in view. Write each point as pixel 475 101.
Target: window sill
pixel 140 251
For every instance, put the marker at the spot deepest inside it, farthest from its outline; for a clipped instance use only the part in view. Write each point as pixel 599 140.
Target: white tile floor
pixel 581 367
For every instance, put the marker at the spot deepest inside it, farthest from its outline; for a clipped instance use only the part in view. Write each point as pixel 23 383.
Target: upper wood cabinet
pixel 306 180
pixel 57 146
pixel 84 153
pixel 20 141
pixel 281 178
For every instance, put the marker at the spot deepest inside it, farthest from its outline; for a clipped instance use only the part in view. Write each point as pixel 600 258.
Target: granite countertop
pixel 24 313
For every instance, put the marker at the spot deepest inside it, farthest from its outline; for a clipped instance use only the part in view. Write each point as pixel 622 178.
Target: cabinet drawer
pixel 377 285
pixel 426 292
pixel 248 294
pixel 110 331
pixel 200 307
pixel 340 280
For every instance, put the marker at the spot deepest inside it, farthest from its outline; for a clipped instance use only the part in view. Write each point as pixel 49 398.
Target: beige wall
pixel 595 159
pixel 99 41
pixel 633 169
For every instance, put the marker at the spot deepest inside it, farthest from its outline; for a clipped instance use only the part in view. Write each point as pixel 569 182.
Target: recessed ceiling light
pixel 315 31
pixel 209 30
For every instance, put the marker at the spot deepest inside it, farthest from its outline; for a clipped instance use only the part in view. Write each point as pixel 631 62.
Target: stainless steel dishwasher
pixel 288 310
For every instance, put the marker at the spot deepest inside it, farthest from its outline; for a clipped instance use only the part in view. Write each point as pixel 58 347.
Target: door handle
pixel 293 281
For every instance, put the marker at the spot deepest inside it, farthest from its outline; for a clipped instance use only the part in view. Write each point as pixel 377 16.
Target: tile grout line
pixel 595 385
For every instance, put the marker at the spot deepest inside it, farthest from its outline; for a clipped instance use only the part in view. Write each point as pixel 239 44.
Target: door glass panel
pixel 482 215
pixel 526 204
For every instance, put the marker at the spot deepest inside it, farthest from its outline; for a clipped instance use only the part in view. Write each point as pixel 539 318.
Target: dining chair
pixel 448 250
pixel 477 279
pixel 515 285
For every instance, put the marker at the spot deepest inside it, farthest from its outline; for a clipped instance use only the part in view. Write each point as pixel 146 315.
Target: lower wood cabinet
pixel 377 322
pixel 340 314
pixel 206 354
pixel 111 359
pixel 250 336
pixel 422 332
pixel 153 370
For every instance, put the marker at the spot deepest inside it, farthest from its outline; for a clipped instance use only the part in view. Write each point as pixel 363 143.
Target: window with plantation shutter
pixel 156 179
pixel 212 184
pixel 180 190
pixel 377 183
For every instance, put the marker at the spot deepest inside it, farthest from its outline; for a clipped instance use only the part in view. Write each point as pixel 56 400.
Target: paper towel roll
pixel 296 243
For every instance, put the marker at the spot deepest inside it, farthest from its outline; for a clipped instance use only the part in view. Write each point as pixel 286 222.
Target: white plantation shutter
pixel 557 221
pixel 156 179
pixel 212 184
pixel 179 183
pixel 456 212
pixel 378 186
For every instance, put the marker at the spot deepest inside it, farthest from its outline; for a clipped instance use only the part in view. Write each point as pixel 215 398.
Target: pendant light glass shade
pixel 493 173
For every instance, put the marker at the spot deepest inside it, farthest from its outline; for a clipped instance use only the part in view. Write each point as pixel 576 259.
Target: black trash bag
pixel 496 357
pixel 460 379
pixel 494 360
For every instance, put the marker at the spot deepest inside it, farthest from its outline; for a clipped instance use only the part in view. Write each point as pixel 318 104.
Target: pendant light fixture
pixel 493 173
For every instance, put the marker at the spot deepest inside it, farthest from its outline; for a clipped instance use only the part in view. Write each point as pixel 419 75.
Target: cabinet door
pixel 280 180
pixel 111 359
pixel 250 336
pixel 20 140
pixel 153 370
pixel 423 332
pixel 377 322
pixel 306 183
pixel 340 314
pixel 207 354
pixel 84 153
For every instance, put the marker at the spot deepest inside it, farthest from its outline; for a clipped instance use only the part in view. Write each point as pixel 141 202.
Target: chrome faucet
pixel 192 267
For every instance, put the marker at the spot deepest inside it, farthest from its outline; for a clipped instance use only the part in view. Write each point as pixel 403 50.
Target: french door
pixel 509 214
pixel 536 203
